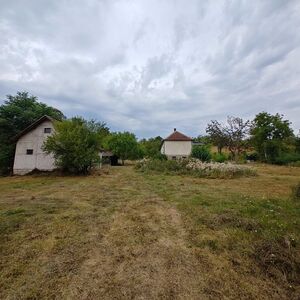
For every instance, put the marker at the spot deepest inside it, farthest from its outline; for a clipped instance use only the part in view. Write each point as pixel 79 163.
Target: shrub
pixel 219 157
pixel 287 158
pixel 252 156
pixel 201 152
pixel 296 191
pixel 194 167
pixel 75 145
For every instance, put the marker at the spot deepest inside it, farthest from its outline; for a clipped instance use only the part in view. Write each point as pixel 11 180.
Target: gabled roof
pixel 33 126
pixel 177 136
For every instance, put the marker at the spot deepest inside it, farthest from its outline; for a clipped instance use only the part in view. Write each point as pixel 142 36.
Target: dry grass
pixel 127 235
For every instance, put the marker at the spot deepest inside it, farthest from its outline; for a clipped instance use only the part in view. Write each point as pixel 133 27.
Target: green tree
pixel 75 144
pixel 233 134
pixel 268 134
pixel 16 114
pixel 217 135
pixel 124 145
pixel 151 147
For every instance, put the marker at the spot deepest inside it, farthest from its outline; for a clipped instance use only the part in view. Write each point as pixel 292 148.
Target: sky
pixel 148 66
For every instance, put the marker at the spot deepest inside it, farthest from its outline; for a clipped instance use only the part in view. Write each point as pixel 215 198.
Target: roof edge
pixel 32 126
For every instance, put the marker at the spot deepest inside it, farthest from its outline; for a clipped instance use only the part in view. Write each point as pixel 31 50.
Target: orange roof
pixel 177 136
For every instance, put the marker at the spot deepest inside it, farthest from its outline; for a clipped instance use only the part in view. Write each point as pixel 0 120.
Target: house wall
pixel 34 139
pixel 176 148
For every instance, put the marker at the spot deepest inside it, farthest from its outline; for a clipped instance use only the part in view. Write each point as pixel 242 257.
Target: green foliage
pixel 203 139
pixel 217 135
pixel 234 135
pixel 268 134
pixel 151 147
pixel 75 144
pixel 124 145
pixel 201 152
pixel 16 114
pixel 287 158
pixel 219 157
pixel 297 144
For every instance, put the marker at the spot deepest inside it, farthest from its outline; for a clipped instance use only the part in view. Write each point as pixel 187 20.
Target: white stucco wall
pixel 34 139
pixel 176 148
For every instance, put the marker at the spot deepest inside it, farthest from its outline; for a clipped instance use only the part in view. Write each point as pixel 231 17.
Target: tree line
pixel 76 142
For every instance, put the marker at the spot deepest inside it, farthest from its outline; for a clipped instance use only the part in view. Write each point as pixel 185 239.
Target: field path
pixel 143 255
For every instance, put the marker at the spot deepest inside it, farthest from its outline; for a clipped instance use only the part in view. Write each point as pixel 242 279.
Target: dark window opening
pixel 29 151
pixel 47 130
pixel 173 157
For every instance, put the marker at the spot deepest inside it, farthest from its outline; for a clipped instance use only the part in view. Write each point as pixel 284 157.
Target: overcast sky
pixel 149 66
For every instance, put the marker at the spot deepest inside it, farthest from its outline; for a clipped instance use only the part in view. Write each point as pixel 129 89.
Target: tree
pixel 124 145
pixel 75 144
pixel 16 114
pixel 233 134
pixel 217 135
pixel 237 131
pixel 151 147
pixel 268 134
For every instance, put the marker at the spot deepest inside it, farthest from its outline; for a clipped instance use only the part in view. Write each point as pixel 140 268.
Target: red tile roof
pixel 177 136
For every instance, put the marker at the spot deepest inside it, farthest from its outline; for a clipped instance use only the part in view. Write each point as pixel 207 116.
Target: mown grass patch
pixel 253 221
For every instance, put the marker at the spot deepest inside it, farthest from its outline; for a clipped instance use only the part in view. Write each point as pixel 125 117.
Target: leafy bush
pixel 296 191
pixel 194 167
pixel 201 152
pixel 287 158
pixel 75 145
pixel 219 157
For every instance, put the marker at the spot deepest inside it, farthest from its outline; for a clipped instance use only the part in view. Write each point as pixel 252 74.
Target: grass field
pixel 129 235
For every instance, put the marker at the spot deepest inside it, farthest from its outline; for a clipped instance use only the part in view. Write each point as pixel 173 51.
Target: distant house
pixel 176 145
pixel 29 154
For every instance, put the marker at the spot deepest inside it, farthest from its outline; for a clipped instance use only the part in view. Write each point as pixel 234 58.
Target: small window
pixel 47 130
pixel 29 151
pixel 173 157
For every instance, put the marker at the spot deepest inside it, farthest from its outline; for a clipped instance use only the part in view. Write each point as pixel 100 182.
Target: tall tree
pixel 75 144
pixel 268 134
pixel 16 114
pixel 233 134
pixel 216 134
pixel 124 145
pixel 237 131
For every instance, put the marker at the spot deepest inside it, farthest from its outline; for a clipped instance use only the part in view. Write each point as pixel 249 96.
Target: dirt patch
pixel 144 255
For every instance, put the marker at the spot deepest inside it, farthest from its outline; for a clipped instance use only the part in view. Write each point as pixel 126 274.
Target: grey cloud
pixel 149 66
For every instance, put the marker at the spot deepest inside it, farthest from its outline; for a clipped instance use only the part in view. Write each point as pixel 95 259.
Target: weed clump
pixel 279 259
pixel 296 192
pixel 195 167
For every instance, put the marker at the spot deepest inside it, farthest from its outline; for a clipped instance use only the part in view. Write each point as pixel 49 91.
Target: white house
pixel 29 154
pixel 176 145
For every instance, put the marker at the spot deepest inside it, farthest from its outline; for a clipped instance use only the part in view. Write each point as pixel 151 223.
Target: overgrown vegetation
pixel 201 152
pixel 75 144
pixel 194 167
pixel 124 145
pixel 16 114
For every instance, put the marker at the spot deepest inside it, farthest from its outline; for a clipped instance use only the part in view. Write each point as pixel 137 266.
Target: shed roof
pixel 177 136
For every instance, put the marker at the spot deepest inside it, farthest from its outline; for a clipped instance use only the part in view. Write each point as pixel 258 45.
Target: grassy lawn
pixel 130 235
